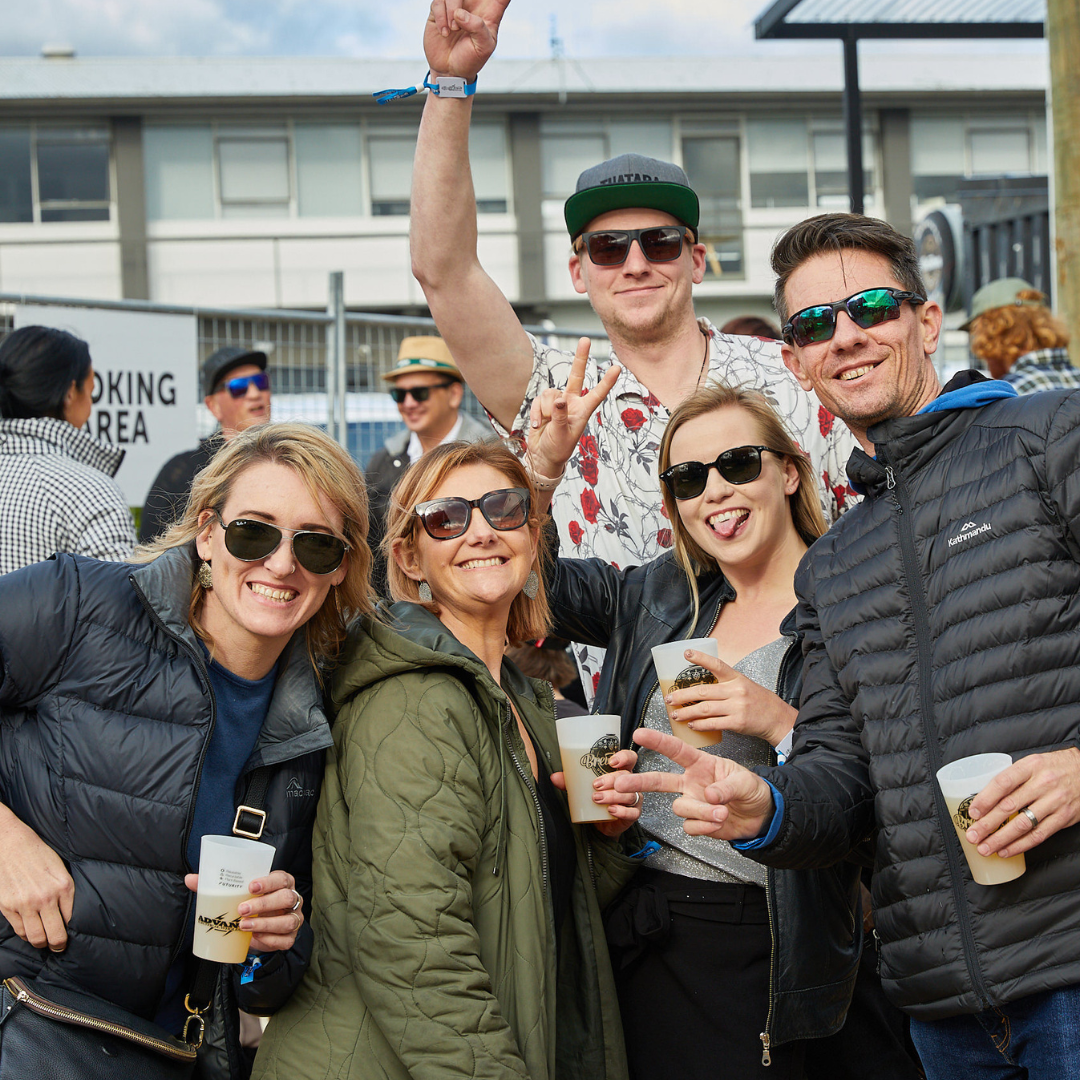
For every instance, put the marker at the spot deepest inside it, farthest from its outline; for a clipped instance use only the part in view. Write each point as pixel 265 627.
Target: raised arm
pixel 477 321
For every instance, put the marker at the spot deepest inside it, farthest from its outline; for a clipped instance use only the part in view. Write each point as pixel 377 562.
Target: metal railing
pixel 326 367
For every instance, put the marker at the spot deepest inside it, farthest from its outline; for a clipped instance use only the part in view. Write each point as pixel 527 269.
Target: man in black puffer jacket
pixel 941 619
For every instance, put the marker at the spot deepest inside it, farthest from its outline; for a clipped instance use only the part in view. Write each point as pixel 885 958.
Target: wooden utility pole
pixel 1063 33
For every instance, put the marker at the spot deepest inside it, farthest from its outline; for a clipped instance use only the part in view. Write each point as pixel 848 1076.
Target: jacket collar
pixel 296 723
pixel 47 435
pixel 912 441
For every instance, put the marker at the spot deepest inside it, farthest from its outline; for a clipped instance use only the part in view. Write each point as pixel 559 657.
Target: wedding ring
pixel 637 799
pixel 299 921
pixel 299 901
pixel 1030 815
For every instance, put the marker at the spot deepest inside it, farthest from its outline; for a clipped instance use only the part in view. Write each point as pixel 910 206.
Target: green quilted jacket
pixel 435 950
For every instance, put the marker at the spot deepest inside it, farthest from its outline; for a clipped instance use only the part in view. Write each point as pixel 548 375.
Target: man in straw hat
pixel 427 387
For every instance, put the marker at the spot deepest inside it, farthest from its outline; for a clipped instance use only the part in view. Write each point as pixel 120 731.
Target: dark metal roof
pixel 902 19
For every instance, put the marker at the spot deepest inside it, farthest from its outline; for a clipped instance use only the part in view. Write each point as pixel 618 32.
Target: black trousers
pixel 692 969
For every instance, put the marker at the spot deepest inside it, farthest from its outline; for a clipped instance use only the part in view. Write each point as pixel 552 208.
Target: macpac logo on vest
pixel 967 531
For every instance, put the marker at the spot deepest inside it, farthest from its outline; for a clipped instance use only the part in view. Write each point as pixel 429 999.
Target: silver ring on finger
pixel 299 921
pixel 637 799
pixel 1030 815
pixel 299 901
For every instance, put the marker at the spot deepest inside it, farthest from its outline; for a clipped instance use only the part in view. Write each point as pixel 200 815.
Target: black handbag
pixel 61 1034
pixel 57 1033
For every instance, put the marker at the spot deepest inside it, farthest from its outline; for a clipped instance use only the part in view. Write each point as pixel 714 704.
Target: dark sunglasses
pixel 739 465
pixel 419 393
pixel 445 519
pixel 871 307
pixel 239 387
pixel 610 247
pixel 250 541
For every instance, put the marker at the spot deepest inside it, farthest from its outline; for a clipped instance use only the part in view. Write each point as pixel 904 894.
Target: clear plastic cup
pixel 675 672
pixel 227 866
pixel 586 744
pixel 960 781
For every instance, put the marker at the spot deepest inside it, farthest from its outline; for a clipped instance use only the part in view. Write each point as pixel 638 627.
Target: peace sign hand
pixel 460 37
pixel 558 417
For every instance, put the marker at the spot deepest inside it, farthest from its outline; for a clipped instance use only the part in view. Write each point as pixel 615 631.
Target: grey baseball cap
pixel 219 363
pixel 631 180
pixel 1001 293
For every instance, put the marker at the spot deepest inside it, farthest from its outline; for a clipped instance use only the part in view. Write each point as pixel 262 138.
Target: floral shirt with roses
pixel 608 505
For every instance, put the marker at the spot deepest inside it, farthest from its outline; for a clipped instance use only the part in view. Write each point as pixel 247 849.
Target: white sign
pixel 144 383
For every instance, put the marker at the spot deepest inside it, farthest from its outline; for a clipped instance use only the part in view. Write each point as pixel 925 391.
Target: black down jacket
pixel 942 619
pixel 105 714
pixel 814 916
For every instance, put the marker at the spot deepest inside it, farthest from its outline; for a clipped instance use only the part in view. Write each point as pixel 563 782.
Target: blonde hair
pixel 805 505
pixel 529 618
pixel 328 472
pixel 1003 334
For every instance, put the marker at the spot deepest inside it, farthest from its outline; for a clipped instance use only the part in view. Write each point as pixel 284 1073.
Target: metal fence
pixel 326 367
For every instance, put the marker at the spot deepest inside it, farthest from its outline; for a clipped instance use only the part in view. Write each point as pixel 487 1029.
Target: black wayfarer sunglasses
pixel 871 307
pixel 739 465
pixel 419 393
pixel 444 519
pixel 610 247
pixel 250 541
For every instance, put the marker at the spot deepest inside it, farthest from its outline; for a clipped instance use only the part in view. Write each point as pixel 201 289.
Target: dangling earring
pixel 425 592
pixel 206 575
pixel 532 585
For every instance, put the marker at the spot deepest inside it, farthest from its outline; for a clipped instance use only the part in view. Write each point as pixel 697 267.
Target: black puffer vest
pixel 105 715
pixel 941 619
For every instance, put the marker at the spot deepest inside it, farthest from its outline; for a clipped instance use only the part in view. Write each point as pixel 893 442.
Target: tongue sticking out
pixel 727 527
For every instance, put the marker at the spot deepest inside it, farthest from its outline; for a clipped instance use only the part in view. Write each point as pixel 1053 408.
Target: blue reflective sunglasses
pixel 239 387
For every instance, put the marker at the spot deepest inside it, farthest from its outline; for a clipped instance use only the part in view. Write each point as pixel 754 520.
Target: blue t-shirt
pixel 241 706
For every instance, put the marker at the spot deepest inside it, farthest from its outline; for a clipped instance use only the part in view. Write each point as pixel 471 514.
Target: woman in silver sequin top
pixel 723 964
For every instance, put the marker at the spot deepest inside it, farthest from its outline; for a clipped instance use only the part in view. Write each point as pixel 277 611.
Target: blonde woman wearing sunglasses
pixel 720 963
pixel 457 914
pixel 136 703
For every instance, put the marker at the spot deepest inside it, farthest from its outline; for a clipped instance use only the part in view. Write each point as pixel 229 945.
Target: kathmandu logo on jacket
pixel 296 790
pixel 967 531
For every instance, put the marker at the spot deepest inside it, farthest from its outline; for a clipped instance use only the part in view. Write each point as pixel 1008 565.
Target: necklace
pixel 704 359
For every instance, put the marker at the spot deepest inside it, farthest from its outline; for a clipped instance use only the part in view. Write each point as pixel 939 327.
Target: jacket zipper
pixel 17 988
pixel 920 613
pixel 766 1035
pixel 204 678
pixel 535 798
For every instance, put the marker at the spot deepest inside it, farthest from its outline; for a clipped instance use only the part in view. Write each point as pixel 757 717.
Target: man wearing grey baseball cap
pixel 633 225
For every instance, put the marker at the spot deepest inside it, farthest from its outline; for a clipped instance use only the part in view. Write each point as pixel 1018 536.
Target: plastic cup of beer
pixel 675 672
pixel 586 744
pixel 960 782
pixel 227 865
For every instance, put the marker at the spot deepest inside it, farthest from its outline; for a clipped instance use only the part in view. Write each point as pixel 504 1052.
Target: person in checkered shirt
pixel 57 491
pixel 1018 338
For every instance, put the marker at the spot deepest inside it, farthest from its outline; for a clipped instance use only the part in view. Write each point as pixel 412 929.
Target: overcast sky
pixel 391 29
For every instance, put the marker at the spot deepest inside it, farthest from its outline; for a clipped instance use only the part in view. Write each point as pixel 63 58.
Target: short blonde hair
pixel 805 504
pixel 529 618
pixel 328 472
pixel 1003 334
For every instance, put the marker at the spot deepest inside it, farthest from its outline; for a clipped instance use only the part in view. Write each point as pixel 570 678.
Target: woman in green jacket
pixel 456 911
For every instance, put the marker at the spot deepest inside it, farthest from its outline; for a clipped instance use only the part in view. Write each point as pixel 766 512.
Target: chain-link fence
pixel 326 367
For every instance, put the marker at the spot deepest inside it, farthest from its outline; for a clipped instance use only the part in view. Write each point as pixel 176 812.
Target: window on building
pixel 777 155
pixel 391 173
pixel 997 152
pixel 329 170
pixel 712 166
pixel 565 157
pixel 487 158
pixel 16 188
pixel 253 177
pixel 937 155
pixel 73 173
pixel 830 169
pixel 652 138
pixel 178 163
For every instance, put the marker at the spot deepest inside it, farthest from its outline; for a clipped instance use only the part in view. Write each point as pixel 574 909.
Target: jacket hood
pixel 47 435
pixel 402 637
pixel 296 723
